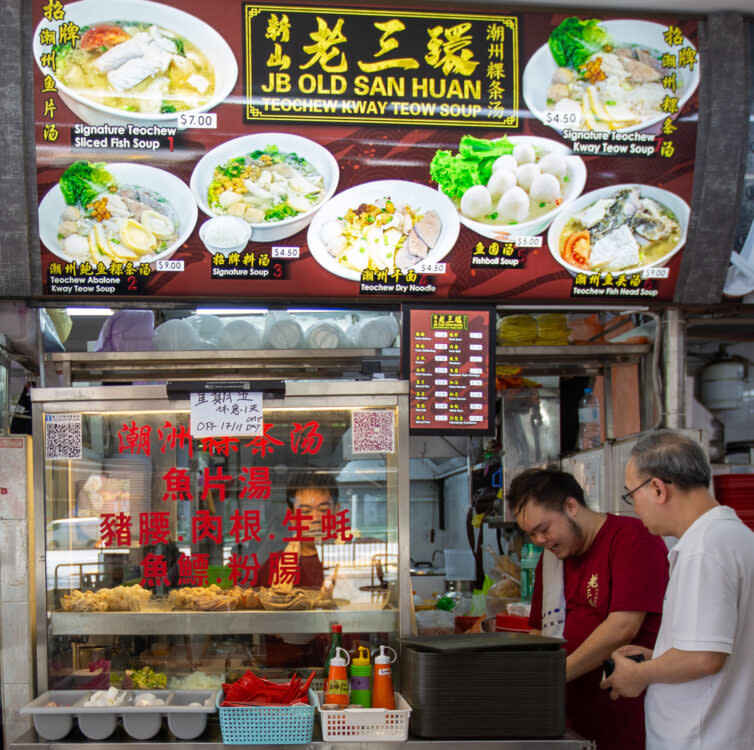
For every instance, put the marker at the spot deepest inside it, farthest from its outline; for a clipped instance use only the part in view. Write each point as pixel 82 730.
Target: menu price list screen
pixel 448 359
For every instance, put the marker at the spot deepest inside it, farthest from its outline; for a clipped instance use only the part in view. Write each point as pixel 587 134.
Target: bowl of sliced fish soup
pixel 619 229
pixel 138 62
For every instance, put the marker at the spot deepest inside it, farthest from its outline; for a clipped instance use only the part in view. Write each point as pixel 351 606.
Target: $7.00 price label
pixel 197 120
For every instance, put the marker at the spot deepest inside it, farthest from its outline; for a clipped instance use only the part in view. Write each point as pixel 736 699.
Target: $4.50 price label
pixel 169 265
pixel 425 267
pixel 282 252
pixel 197 120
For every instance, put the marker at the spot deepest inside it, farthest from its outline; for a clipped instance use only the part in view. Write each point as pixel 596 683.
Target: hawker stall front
pixel 360 265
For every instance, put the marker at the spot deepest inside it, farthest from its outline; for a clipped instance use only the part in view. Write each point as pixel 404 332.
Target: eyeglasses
pixel 627 496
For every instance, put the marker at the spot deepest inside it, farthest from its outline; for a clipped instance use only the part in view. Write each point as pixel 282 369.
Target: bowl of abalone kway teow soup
pixel 138 62
pixel 619 229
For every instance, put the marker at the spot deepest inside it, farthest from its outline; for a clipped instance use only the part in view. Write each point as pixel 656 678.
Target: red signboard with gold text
pixel 288 152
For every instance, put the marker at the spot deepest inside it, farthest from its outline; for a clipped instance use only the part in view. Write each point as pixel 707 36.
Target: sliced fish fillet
pixel 121 53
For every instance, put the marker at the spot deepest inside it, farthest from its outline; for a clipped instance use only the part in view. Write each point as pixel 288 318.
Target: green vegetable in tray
pixel 146 679
pixel 472 165
pixel 574 41
pixel 83 181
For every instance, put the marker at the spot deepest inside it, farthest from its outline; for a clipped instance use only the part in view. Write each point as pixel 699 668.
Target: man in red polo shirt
pixel 609 574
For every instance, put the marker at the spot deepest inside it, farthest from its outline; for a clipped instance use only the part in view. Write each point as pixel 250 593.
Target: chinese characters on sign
pixel 450 357
pixel 220 414
pixel 212 484
pixel 349 65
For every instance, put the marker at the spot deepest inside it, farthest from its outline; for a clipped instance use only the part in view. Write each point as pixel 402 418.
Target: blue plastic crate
pixel 266 725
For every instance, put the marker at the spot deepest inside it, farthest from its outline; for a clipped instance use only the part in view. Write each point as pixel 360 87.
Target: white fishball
pixel 545 188
pixel 554 164
pixel 514 205
pixel 505 162
pixel 476 202
pixel 524 153
pixel 502 180
pixel 525 175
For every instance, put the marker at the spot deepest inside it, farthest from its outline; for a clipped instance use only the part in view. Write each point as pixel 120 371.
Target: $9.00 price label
pixel 655 273
pixel 437 268
pixel 279 251
pixel 169 265
pixel 197 120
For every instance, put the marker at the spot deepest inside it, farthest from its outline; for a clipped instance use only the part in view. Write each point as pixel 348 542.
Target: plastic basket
pixel 365 724
pixel 266 725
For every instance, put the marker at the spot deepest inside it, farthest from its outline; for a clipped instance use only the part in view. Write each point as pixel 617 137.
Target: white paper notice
pixel 224 414
pixel 62 436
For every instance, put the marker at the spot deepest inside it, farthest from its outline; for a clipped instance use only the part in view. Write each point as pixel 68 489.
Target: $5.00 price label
pixel 527 241
pixel 170 265
pixel 197 120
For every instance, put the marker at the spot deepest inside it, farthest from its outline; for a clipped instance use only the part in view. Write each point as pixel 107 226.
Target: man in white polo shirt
pixel 700 676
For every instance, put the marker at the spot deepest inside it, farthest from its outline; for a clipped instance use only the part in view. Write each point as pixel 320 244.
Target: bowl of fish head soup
pixel 619 229
pixel 275 182
pixel 138 62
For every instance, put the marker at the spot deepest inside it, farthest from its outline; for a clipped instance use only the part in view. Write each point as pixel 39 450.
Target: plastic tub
pixel 511 623
pixel 54 722
pixel 187 722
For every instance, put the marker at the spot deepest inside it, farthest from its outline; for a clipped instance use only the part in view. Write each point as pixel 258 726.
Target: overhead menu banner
pixel 294 152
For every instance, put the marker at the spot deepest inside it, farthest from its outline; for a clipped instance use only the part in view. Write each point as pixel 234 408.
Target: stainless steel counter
pixel 211 740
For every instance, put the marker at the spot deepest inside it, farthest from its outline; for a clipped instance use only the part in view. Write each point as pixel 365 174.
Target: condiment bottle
pixel 335 642
pixel 337 679
pixel 382 689
pixel 361 678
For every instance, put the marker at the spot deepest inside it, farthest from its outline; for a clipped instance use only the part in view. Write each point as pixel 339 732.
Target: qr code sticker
pixel 62 436
pixel 373 431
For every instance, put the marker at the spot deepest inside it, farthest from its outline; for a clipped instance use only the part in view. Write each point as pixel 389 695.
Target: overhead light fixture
pixel 230 310
pixel 88 311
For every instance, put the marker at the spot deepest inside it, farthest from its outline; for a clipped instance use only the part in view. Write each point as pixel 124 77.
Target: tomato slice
pixel 577 248
pixel 104 35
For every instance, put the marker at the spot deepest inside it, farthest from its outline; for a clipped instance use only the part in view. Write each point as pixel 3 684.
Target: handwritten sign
pixel 221 414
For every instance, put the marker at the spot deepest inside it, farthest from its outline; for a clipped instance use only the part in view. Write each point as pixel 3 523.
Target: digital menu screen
pixel 448 359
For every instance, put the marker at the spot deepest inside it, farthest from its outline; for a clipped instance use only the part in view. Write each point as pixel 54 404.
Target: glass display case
pixel 197 556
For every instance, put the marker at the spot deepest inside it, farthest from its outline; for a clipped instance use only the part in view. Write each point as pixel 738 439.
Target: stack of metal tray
pixel 485 685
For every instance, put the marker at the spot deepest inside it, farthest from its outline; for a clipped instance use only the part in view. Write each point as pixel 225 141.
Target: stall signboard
pixel 283 152
pixel 448 356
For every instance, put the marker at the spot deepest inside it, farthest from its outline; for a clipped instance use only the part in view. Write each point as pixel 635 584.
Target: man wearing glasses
pixel 599 584
pixel 699 677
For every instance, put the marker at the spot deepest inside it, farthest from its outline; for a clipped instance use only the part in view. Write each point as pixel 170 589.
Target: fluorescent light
pixel 230 310
pixel 88 311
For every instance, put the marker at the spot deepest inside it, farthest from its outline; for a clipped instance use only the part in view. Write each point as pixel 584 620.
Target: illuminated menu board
pixel 448 358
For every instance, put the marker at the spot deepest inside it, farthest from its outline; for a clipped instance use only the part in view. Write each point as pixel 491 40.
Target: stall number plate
pixel 197 120
pixel 169 265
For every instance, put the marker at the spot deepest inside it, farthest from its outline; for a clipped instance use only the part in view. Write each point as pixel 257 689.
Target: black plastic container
pixel 503 685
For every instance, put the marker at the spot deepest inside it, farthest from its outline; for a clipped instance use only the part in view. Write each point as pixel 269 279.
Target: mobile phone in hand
pixel 609 664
